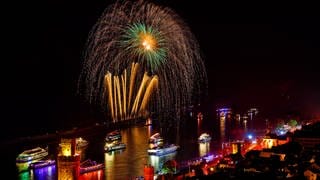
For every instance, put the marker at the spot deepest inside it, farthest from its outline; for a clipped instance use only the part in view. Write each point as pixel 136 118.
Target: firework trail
pixel 128 34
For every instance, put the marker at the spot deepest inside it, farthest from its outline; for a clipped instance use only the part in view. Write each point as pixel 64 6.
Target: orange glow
pixel 148 41
pixel 65 149
pixel 268 143
pixel 124 105
pixel 234 148
pixel 99 175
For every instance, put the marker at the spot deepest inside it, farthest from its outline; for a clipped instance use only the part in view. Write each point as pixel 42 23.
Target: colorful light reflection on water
pixel 44 173
pixel 48 173
pixel 129 163
pixel 204 149
pixel 96 175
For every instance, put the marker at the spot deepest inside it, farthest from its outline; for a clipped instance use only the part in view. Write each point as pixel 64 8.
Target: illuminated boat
pixel 89 166
pixel 81 143
pixel 114 135
pixel 163 150
pixel 155 141
pixel 115 145
pixel 32 155
pixel 42 163
pixel 204 137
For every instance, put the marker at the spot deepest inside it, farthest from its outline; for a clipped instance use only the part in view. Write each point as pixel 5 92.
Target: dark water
pixel 129 163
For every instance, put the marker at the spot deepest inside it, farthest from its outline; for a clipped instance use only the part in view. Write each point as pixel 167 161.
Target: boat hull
pixel 163 151
pixel 41 164
pixel 113 136
pixel 89 166
pixel 204 140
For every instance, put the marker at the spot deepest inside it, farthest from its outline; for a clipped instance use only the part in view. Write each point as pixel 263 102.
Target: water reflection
pixel 158 161
pixel 224 116
pixel 109 163
pixel 149 131
pixel 47 173
pixel 97 175
pixel 129 162
pixel 44 173
pixel 26 175
pixel 204 148
pixel 23 167
pixel 199 123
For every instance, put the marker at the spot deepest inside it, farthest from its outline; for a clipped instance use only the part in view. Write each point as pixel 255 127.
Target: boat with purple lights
pixel 42 163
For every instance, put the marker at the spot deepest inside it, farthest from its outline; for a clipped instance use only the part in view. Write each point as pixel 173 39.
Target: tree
pixel 169 168
pixel 293 123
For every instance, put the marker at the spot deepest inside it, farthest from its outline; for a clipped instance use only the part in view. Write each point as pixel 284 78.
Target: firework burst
pixel 153 37
pixel 145 44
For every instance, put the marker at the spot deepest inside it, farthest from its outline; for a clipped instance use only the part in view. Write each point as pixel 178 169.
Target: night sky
pixel 253 58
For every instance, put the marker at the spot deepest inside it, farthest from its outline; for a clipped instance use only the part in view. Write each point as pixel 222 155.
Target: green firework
pixel 146 43
pixel 157 39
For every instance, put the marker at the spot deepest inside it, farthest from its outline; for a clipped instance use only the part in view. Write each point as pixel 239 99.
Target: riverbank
pixel 70 133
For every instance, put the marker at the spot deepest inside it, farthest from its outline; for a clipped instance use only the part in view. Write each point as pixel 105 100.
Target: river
pixel 129 163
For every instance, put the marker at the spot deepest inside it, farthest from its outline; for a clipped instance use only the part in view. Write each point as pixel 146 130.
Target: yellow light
pixel 65 149
pixel 148 41
pixel 234 148
pixel 126 107
pixel 144 43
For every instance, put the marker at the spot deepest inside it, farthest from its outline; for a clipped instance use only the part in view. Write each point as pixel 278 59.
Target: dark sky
pixel 253 58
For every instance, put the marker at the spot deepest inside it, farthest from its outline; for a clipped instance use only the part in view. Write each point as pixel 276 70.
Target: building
pixel 68 160
pixel 272 140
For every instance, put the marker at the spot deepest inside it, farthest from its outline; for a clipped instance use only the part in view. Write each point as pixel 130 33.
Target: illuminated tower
pixel 224 116
pixel 68 160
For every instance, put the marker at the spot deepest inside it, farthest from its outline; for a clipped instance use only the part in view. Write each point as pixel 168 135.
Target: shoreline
pixel 71 133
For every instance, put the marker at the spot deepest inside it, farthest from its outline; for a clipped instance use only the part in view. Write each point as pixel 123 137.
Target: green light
pixel 146 43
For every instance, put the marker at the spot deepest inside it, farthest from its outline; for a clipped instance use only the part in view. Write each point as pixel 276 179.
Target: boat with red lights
pixel 155 141
pixel 114 135
pixel 89 166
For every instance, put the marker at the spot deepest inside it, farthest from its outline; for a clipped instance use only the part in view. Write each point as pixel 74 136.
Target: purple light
pixel 48 172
